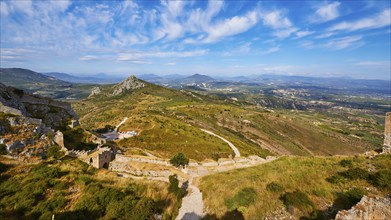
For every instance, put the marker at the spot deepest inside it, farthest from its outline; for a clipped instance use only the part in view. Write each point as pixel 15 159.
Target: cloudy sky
pixel 319 38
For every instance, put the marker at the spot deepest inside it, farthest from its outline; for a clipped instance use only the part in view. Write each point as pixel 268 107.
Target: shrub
pixel 355 173
pixel 382 179
pixel 274 187
pixel 3 149
pixel 55 152
pixel 174 186
pixel 336 179
pixel 349 198
pixel 179 160
pixel 298 200
pixel 244 198
pixel 346 163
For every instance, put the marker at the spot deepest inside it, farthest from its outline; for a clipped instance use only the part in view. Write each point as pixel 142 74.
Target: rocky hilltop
pixel 128 84
pixel 52 113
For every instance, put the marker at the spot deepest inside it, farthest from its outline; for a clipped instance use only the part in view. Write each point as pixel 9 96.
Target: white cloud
pixel 159 54
pixel 284 33
pixel 276 20
pixel 271 50
pixel 88 58
pixel 231 26
pixel 379 20
pixel 170 64
pixel 374 63
pixel 326 12
pixel 282 26
pixel 301 34
pixel 4 11
pixel 344 42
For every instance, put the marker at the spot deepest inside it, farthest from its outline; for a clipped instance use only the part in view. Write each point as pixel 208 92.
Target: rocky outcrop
pixel 95 91
pixel 128 84
pixel 370 207
pixel 20 103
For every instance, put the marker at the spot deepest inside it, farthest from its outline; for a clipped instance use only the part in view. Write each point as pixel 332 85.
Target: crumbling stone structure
pixel 387 134
pixel 101 158
pixel 370 207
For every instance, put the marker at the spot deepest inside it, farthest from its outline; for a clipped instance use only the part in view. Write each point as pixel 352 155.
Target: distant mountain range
pixel 93 79
pixel 21 77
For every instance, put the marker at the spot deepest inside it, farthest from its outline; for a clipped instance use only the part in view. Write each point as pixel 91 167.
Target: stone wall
pixel 370 207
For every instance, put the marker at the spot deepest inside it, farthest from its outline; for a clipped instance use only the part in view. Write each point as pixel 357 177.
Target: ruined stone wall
pixel 387 134
pixel 369 207
pixel 104 158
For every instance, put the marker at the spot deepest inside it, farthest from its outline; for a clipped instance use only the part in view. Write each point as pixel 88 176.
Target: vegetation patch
pixel 244 198
pixel 274 187
pixel 298 200
pixel 179 160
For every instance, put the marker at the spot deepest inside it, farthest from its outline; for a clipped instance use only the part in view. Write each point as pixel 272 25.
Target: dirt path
pixel 236 151
pixel 121 123
pixel 192 207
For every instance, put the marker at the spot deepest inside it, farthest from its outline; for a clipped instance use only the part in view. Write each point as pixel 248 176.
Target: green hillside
pixel 38 83
pixel 169 121
pixel 70 189
pixel 302 187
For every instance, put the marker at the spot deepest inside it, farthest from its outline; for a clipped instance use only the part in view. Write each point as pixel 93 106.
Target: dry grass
pixel 307 174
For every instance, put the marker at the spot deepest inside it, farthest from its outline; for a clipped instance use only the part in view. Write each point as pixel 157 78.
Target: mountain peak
pixel 128 84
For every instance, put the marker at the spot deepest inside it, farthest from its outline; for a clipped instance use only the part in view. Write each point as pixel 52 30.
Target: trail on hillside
pixel 121 123
pixel 192 207
pixel 236 151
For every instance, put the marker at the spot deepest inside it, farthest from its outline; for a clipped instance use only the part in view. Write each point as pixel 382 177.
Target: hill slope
pixel 169 121
pixel 41 84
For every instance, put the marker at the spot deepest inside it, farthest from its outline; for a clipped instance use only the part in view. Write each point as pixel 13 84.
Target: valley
pixel 247 146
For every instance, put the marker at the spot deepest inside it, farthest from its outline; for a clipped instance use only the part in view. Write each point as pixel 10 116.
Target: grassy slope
pixel 71 189
pixel 307 174
pixel 168 122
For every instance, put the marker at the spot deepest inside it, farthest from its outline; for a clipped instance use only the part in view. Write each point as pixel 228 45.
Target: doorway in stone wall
pixel 106 165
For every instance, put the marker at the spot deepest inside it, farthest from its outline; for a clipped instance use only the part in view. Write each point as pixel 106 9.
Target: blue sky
pixel 312 38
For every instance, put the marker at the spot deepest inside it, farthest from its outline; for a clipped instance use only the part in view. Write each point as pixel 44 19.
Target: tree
pixel 55 152
pixel 179 160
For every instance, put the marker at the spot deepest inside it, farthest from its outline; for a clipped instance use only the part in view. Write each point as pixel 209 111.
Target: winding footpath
pixel 192 207
pixel 121 123
pixel 236 151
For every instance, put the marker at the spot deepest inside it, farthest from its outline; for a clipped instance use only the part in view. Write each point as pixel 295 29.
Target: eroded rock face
pixel 18 102
pixel 370 207
pixel 95 91
pixel 128 84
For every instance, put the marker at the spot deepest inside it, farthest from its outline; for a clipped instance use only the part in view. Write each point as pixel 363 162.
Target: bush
pixel 3 149
pixel 346 163
pixel 274 187
pixel 174 186
pixel 298 200
pixel 382 179
pixel 336 179
pixel 55 152
pixel 244 198
pixel 179 160
pixel 355 173
pixel 349 198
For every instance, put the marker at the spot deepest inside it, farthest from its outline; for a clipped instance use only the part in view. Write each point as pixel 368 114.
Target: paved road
pixel 236 151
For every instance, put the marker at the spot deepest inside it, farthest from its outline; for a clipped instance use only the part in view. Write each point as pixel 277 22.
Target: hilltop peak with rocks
pixel 129 84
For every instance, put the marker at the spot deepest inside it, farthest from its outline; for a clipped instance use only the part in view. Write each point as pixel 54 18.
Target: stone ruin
pixel 370 207
pixel 387 134
pixel 98 158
